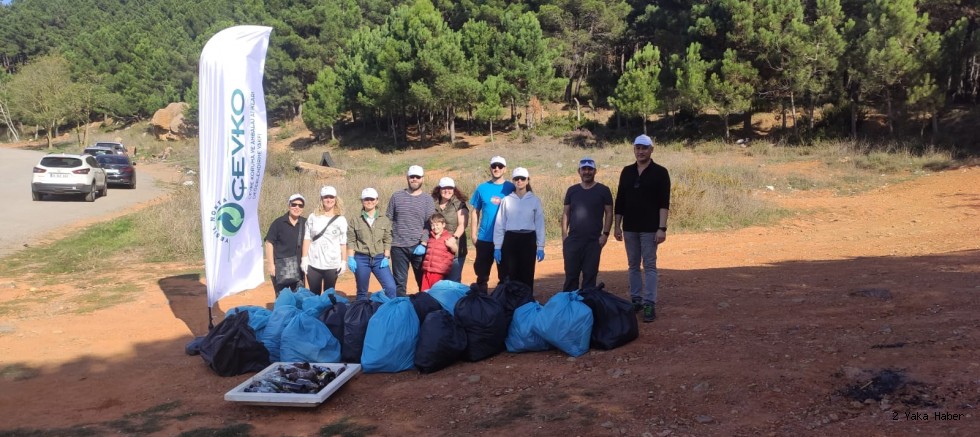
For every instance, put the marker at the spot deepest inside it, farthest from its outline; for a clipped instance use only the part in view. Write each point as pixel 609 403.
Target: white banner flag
pixel 233 148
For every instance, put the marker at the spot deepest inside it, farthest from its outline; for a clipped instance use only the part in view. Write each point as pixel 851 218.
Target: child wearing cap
pixel 325 242
pixel 439 256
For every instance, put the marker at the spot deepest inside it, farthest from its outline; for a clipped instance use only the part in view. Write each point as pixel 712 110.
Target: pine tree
pixel 637 90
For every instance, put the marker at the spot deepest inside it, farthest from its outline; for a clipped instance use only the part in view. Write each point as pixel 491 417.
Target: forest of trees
pixel 422 65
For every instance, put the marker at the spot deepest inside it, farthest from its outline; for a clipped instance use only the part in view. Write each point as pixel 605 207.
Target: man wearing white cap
pixel 409 212
pixel 284 246
pixel 585 223
pixel 642 207
pixel 485 202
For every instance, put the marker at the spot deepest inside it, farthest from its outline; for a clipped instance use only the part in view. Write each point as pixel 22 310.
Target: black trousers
pixel 581 257
pixel 517 257
pixel 321 280
pixel 484 262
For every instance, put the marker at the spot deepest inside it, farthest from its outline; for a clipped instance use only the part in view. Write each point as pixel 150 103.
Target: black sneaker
pixel 649 313
pixel 637 306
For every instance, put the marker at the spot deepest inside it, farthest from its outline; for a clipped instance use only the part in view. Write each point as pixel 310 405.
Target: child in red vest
pixel 440 252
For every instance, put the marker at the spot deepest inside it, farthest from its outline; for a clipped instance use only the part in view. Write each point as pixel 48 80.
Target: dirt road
pixel 855 317
pixel 24 221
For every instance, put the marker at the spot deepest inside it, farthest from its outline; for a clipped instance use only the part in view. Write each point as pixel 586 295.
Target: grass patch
pixel 144 422
pixel 18 372
pixel 104 297
pixel 236 430
pixel 80 252
pixel 17 306
pixel 345 428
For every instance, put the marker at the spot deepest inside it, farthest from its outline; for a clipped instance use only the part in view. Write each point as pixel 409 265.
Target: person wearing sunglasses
pixel 283 246
pixel 325 242
pixel 485 201
pixel 369 246
pixel 518 233
pixel 641 208
pixel 585 223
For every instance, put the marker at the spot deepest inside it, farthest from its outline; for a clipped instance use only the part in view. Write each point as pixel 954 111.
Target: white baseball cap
pixel 296 196
pixel 369 193
pixel 643 140
pixel 327 190
pixel 498 160
pixel 447 182
pixel 416 170
pixel 586 162
pixel 519 172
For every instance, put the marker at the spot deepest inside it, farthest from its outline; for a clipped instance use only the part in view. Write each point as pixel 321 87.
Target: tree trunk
pixel 5 118
pixel 394 130
pixel 578 111
pixel 888 105
pixel 747 123
pixel 491 131
pixel 792 106
pixel 332 137
pixel 854 120
pixel 47 135
pixel 935 128
pixel 644 124
pixel 452 125
pixel 724 118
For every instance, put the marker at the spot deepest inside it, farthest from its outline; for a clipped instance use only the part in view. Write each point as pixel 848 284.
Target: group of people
pixel 427 232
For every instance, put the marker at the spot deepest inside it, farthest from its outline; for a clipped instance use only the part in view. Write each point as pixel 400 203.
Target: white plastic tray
pixel 238 394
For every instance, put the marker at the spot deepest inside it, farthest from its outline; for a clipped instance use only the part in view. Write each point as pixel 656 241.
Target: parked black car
pixel 119 169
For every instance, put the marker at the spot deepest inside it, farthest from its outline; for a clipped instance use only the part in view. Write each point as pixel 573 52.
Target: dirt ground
pixel 858 316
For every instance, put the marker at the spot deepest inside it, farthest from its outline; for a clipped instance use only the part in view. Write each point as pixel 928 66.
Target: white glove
pixel 305 264
pixel 342 269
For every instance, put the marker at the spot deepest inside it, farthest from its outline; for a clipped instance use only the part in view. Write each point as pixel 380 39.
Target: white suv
pixel 69 174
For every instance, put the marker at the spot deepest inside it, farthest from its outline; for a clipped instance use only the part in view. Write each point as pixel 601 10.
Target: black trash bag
pixel 613 319
pixel 333 317
pixel 355 328
pixel 231 348
pixel 485 322
pixel 194 347
pixel 424 304
pixel 512 295
pixel 441 342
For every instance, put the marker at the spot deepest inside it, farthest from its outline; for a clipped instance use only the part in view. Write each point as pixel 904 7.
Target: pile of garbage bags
pixel 427 331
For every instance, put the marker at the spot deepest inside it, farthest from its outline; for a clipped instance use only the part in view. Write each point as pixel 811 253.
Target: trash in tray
pixel 295 378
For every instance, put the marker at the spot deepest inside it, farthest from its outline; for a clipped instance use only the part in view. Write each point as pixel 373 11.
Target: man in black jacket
pixel 642 207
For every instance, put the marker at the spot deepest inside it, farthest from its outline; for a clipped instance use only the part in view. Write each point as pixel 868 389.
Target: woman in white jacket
pixel 518 234
pixel 325 243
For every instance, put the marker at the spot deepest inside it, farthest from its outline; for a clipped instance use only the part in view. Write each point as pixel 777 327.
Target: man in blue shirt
pixel 485 202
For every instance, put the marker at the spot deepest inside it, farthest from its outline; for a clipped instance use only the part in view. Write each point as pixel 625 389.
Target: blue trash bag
pixel 316 305
pixel 337 297
pixel 566 323
pixel 302 294
pixel 520 335
pixel 286 298
pixel 485 322
pixel 356 319
pixel 441 342
pixel 258 316
pixel 448 293
pixel 392 334
pixel 306 338
pixel 379 297
pixel 271 336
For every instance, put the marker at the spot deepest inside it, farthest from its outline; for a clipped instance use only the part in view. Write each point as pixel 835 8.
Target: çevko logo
pixel 227 217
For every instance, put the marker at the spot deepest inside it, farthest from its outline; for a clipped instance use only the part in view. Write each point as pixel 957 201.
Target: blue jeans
pixel 642 247
pixel 401 257
pixel 367 265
